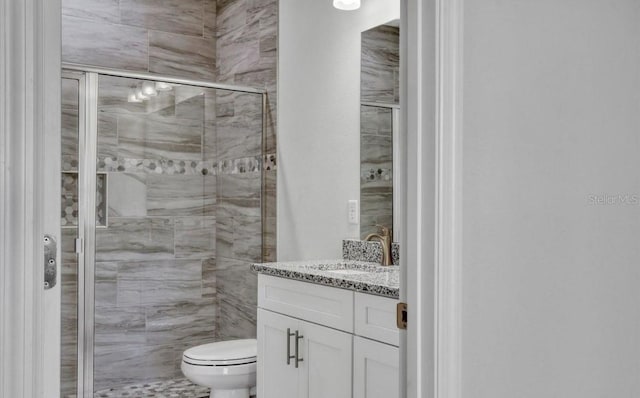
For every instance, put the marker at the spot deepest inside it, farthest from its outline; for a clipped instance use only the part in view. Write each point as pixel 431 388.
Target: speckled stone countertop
pixel 359 276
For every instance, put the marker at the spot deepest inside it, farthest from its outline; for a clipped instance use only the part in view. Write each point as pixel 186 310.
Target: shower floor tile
pixel 176 388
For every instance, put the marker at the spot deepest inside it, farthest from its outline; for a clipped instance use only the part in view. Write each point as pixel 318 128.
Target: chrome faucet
pixel 384 237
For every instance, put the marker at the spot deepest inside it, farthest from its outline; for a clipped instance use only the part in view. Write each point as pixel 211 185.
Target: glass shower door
pixel 162 264
pixel 69 220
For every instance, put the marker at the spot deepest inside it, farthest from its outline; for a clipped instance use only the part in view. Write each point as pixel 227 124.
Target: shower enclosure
pixel 162 213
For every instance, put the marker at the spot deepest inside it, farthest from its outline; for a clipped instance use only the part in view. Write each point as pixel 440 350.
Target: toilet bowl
pixel 228 368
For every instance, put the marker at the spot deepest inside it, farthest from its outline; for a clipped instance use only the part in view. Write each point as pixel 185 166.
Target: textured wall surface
pixel 380 67
pixel 173 37
pixel 246 47
pixel 184 180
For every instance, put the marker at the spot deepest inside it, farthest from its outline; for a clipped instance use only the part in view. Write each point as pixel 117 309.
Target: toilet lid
pixel 232 352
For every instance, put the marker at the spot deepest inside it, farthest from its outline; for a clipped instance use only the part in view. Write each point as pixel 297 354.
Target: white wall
pixel 551 298
pixel 319 122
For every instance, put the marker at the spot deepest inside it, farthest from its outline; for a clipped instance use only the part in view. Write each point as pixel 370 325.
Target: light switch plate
pixel 354 212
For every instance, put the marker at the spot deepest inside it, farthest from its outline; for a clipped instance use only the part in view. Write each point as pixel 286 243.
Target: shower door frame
pixel 85 243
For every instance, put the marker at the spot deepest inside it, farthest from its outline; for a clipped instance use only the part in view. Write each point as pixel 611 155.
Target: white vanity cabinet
pixel 319 366
pixel 347 342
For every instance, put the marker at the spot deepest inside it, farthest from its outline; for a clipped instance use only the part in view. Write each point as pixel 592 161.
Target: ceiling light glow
pixel 346 5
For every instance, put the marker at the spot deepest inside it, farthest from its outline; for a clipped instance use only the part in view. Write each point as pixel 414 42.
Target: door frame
pixel 29 170
pixel 432 43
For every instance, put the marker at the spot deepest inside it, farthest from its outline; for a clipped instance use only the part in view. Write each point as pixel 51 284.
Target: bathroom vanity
pixel 327 329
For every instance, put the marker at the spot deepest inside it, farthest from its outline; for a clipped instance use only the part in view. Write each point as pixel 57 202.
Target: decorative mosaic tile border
pixel 360 250
pixel 252 164
pixel 156 166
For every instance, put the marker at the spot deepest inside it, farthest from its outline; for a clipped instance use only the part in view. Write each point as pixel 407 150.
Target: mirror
pixel 320 113
pixel 379 116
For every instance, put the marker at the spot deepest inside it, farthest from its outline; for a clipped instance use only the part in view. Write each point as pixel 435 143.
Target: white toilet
pixel 227 367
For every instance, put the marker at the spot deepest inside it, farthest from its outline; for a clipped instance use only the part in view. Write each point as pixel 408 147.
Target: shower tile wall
pixel 246 55
pixel 171 232
pixel 175 37
pixel 380 67
pixel 155 271
pixel 379 83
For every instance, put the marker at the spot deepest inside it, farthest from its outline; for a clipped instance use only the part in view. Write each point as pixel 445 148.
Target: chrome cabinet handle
pixel 289 356
pixel 298 338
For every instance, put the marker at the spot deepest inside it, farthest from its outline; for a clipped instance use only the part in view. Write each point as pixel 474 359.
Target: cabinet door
pixel 376 369
pixel 275 378
pixel 325 371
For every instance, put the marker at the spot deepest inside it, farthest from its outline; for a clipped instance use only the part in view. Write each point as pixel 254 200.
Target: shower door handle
pixel 50 262
pixel 289 356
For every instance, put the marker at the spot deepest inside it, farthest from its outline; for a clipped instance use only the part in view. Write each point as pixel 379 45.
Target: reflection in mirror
pixel 379 111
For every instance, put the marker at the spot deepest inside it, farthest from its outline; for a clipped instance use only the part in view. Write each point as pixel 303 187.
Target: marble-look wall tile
pixel 179 195
pixel 376 208
pixel 95 10
pixel 127 195
pixel 170 291
pixel 195 237
pixel 69 124
pixel 376 151
pixel 238 125
pixel 135 238
pixel 376 120
pixel 210 16
pixel 120 327
pixel 240 186
pixel 176 270
pixel 237 296
pixel 113 93
pixel 106 284
pixel 168 52
pixel 209 144
pixel 247 238
pixel 119 367
pixel 107 135
pixel 209 278
pixel 189 103
pixel 270 239
pixel 155 137
pixel 104 44
pixel 380 64
pixel 224 235
pixel 176 16
pixel 180 322
pixel 236 207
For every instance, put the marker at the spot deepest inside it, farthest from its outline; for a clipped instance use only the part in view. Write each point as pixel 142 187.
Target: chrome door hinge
pixel 50 263
pixel 78 244
pixel 401 316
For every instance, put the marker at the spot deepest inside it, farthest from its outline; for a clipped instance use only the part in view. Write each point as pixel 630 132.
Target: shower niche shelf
pixel 69 203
